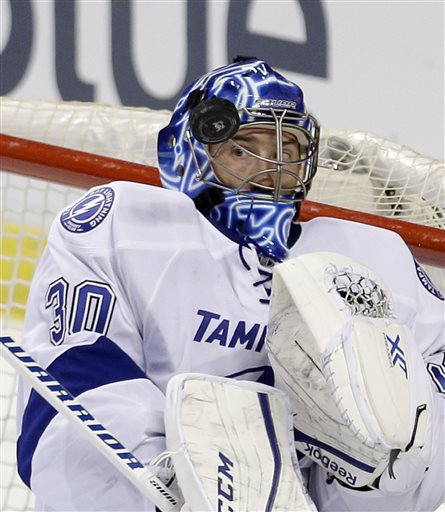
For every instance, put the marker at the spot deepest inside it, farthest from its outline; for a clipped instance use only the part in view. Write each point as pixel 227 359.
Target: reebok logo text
pixel 329 464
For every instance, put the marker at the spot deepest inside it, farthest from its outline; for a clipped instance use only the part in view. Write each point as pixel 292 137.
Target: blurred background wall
pixel 366 65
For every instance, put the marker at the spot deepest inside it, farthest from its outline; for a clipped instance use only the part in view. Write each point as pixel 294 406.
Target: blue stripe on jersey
pixel 437 371
pixel 273 441
pixel 304 438
pixel 266 375
pixel 79 369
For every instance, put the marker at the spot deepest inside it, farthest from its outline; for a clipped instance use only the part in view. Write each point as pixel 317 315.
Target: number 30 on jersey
pixel 89 309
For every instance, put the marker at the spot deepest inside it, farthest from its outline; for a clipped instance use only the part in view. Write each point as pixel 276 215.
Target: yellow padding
pixel 21 247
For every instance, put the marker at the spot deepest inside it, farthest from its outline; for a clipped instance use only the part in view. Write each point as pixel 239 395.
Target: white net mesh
pixel 364 172
pixel 356 170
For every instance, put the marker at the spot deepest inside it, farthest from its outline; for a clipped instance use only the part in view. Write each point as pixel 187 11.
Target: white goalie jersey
pixel 136 286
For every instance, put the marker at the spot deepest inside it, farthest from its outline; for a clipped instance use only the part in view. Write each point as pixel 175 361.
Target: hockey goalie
pixel 151 307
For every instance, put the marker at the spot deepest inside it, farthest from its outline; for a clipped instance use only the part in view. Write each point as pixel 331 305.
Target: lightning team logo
pixel 88 212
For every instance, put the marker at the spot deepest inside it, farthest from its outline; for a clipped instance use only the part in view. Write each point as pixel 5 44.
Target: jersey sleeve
pixel 85 325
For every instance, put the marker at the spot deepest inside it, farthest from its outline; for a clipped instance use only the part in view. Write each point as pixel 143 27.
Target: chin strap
pixel 208 199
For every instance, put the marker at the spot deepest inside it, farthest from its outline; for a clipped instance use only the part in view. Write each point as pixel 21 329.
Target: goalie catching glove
pixel 231 445
pixel 360 391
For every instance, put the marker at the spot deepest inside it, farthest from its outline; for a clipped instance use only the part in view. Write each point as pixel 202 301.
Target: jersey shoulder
pixel 349 237
pixel 126 212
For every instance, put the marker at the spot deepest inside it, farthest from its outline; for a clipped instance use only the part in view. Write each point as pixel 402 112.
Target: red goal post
pixel 50 152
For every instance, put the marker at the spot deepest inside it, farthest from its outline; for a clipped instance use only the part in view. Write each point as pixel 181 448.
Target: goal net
pixel 357 170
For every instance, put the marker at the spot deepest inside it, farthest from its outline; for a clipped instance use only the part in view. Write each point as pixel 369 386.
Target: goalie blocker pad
pixel 358 385
pixel 231 445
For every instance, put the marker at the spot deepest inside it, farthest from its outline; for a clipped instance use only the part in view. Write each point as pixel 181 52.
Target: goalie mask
pixel 241 144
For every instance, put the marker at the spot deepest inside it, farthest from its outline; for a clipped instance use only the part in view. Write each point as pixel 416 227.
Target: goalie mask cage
pixel 401 189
